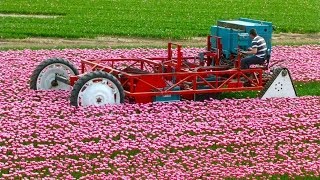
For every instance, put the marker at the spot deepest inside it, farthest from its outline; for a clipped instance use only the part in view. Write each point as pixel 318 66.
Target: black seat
pixel 265 64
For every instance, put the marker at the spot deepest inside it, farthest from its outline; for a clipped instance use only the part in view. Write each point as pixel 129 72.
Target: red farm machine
pixel 170 78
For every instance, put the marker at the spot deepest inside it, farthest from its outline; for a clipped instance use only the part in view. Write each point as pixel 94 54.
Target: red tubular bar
pixel 179 55
pixel 82 67
pixel 185 92
pixel 192 76
pixel 169 51
pixel 209 43
pixel 216 55
pixel 219 48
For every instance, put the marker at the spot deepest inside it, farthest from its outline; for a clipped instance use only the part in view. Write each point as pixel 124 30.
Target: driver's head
pixel 252 33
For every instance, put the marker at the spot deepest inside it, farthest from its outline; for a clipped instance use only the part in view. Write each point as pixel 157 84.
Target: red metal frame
pixel 144 78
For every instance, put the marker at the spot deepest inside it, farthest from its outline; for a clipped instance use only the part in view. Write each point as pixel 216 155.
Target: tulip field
pixel 42 136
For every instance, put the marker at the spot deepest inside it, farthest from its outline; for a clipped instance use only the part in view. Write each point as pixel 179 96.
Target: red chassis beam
pixel 186 77
pixel 168 75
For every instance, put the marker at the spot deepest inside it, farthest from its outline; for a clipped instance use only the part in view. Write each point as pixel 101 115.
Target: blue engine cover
pixel 235 33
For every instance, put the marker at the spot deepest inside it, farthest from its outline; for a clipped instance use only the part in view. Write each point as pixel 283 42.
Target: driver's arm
pixel 251 51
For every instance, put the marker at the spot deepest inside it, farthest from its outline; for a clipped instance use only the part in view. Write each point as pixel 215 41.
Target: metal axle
pixel 62 79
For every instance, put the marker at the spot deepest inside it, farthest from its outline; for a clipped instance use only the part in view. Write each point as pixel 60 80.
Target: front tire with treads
pixel 97 88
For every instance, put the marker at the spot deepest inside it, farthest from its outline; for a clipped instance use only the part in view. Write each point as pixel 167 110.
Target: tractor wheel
pixel 97 88
pixel 43 77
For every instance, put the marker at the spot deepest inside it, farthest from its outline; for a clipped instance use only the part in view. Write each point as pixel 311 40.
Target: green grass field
pixel 149 18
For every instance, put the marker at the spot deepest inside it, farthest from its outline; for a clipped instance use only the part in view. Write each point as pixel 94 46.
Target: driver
pixel 257 51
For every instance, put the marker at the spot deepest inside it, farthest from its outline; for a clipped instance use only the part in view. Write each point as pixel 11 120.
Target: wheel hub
pixel 54 83
pixel 99 100
pixel 98 93
pixel 47 80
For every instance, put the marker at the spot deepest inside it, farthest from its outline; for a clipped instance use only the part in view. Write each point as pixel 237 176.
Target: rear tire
pixel 43 77
pixel 97 88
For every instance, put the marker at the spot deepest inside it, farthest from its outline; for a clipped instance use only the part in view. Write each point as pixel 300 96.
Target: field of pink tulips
pixel 42 136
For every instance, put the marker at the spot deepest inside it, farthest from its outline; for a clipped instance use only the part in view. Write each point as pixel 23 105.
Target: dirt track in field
pixel 29 15
pixel 114 42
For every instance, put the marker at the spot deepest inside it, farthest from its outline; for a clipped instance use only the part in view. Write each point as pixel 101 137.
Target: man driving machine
pixel 258 51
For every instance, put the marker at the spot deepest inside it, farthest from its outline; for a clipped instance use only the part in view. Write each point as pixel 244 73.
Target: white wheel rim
pixel 99 92
pixel 47 76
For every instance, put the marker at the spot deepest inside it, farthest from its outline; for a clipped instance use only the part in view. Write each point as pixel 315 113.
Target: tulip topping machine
pixel 171 78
